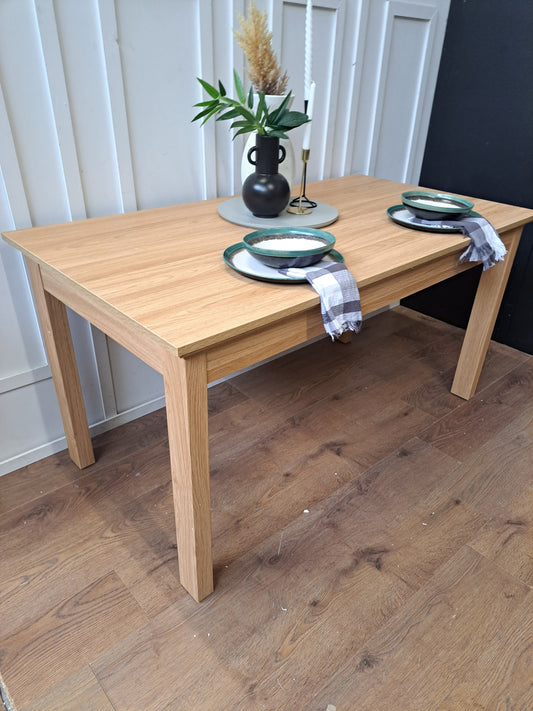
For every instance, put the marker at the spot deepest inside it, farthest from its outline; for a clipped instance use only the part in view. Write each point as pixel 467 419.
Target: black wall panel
pixel 480 143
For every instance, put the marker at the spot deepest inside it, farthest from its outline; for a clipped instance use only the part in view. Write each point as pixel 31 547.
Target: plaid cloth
pixel 485 244
pixel 339 296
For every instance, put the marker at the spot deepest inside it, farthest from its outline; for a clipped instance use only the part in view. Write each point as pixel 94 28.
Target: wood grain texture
pixel 58 342
pixel 371 548
pixel 483 317
pixel 80 691
pixel 159 274
pixel 67 636
pixel 186 405
pixel 404 665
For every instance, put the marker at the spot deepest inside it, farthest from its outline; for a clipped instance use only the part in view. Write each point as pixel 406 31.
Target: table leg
pixel 482 319
pixel 186 403
pixel 57 339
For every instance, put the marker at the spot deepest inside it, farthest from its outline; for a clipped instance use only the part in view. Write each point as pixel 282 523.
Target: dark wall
pixel 480 143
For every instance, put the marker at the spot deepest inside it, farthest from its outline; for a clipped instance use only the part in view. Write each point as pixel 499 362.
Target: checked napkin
pixel 339 296
pixel 485 244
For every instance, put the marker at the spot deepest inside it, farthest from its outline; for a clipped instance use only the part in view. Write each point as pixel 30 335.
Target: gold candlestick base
pixel 299 210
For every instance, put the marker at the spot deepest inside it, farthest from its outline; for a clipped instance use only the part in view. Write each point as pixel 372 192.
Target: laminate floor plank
pixel 430 395
pixel 292 586
pixel 222 396
pixel 372 540
pixel 46 650
pixel 317 590
pixel 476 421
pixel 42 477
pixel 507 538
pixel 57 556
pixel 498 470
pixel 417 658
pixel 79 692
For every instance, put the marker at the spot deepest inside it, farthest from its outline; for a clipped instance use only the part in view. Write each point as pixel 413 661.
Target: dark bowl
pixel 436 206
pixel 283 247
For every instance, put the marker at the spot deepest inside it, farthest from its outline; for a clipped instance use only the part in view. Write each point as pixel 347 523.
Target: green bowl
pixel 436 206
pixel 283 247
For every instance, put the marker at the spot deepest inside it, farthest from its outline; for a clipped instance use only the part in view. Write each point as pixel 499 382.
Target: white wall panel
pixel 399 65
pixel 133 382
pixel 60 106
pixel 120 157
pixel 30 421
pixel 350 78
pixel 29 108
pixel 84 123
pixel 218 62
pixel 162 39
pixel 21 347
pixel 409 36
pixel 96 101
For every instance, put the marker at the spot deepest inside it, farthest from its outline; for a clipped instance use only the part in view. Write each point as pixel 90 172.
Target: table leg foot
pixel 186 403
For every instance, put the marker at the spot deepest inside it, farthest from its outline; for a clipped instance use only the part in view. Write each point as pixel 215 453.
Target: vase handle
pixel 253 149
pixel 250 153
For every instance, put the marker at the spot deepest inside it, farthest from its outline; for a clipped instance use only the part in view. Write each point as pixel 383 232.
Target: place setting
pixel 444 213
pixel 298 255
pixel 268 254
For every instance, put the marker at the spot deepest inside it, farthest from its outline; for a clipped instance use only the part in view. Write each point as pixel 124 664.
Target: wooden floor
pixel 373 545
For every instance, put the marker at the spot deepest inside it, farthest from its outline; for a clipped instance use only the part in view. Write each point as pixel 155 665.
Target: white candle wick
pixel 310 106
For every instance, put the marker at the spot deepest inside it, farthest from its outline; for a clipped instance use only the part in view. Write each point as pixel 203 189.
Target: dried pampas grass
pixel 255 40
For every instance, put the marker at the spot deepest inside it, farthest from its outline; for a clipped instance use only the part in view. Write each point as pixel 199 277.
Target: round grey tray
pixel 234 210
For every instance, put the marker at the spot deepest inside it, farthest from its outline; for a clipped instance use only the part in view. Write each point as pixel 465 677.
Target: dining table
pixel 156 282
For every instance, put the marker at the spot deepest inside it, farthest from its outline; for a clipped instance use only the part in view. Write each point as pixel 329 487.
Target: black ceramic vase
pixel 266 192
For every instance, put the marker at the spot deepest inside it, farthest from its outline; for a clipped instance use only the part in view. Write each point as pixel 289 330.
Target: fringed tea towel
pixel 339 296
pixel 485 244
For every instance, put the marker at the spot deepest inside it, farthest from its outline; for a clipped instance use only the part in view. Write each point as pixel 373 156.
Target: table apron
pixel 138 340
pixel 402 284
pixel 253 347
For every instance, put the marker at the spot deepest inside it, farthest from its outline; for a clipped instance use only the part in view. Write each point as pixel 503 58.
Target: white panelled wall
pixel 95 118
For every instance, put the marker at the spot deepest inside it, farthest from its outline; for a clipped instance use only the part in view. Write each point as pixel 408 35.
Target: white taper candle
pixel 308 48
pixel 307 135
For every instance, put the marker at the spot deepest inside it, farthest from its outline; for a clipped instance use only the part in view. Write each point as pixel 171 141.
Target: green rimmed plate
pixel 241 260
pixel 401 215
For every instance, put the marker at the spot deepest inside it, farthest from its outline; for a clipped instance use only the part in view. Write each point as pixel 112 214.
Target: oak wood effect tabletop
pixel 155 281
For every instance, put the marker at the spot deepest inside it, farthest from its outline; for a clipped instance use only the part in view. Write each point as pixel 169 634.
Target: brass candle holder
pixel 302 205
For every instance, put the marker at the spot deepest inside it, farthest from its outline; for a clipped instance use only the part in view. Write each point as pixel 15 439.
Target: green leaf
pixel 291 119
pixel 210 89
pixel 240 132
pixel 239 88
pixel 204 103
pixel 231 114
pixel 211 113
pixel 251 98
pixel 205 112
pixel 221 89
pixel 274 115
pixel 243 111
pixel 262 110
